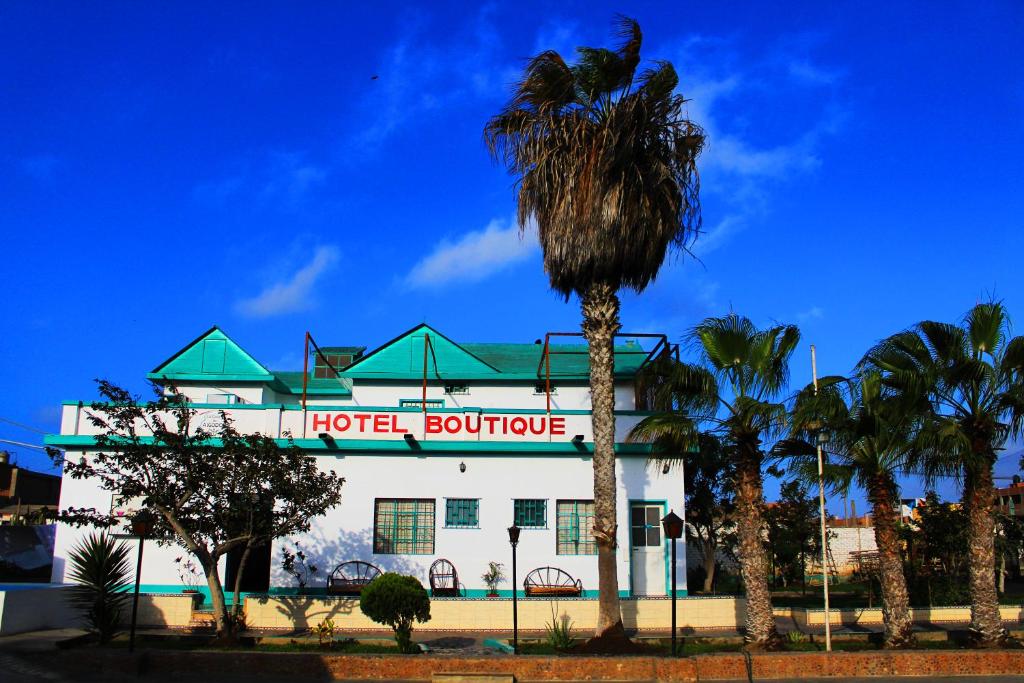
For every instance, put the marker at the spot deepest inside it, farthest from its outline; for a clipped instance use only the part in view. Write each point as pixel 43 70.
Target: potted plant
pixel 492 577
pixel 190 576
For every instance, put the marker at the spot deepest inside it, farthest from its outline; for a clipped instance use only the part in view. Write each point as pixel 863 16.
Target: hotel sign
pixel 462 426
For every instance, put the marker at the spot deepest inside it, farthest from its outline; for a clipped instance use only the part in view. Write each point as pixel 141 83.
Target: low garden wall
pixel 174 610
pixel 495 614
pixel 815 618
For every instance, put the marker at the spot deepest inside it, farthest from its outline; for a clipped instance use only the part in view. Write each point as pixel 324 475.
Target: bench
pixel 350 578
pixel 444 579
pixel 551 582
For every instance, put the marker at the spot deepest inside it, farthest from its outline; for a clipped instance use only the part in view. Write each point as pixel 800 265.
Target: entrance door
pixel 647 551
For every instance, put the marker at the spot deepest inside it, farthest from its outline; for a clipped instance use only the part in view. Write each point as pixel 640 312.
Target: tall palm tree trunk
pixel 760 620
pixel 979 494
pixel 600 306
pixel 895 599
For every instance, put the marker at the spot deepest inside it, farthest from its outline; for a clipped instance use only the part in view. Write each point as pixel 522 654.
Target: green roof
pixel 215 357
pixel 567 360
pixel 406 355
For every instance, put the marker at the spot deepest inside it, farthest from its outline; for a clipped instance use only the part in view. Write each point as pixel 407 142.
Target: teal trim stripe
pixel 385 409
pixel 419 448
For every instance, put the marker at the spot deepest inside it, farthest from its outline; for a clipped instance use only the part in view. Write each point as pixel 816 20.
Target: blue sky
pixel 273 167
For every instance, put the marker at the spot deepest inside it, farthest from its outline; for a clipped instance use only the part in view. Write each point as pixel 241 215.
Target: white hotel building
pixel 442 445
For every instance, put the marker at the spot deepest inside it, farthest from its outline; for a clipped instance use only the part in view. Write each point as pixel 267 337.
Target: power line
pixel 23 444
pixel 23 426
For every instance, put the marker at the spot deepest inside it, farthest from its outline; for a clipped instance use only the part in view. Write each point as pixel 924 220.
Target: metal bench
pixel 350 578
pixel 551 582
pixel 444 579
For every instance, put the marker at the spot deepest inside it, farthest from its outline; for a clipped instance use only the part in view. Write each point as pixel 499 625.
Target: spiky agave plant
pixel 100 571
pixel 605 162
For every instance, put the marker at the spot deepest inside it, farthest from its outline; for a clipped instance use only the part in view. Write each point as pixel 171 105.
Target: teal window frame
pixel 403 526
pixel 645 531
pixel 418 403
pixel 461 513
pixel 530 513
pixel 574 527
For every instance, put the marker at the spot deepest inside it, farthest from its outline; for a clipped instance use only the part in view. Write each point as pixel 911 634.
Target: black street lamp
pixel 673 525
pixel 142 524
pixel 513 539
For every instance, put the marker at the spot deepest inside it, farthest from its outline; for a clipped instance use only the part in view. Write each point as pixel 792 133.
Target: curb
pixel 724 666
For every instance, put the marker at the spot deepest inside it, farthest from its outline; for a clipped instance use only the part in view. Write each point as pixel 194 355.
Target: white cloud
pixel 811 74
pixel 474 256
pixel 733 165
pixel 292 294
pixel 418 77
pixel 812 313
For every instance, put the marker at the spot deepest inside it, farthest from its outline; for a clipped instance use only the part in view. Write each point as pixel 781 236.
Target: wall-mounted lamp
pixel 327 439
pixel 462 467
pixel 578 439
pixel 410 439
pixel 664 470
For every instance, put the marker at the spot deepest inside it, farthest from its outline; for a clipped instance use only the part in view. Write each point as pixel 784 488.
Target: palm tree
pixel 870 432
pixel 972 377
pixel 733 391
pixel 605 163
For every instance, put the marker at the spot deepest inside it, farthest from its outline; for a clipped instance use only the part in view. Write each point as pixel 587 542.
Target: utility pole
pixel 821 512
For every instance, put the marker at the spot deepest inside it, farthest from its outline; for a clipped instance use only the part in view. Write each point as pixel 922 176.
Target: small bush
pixel 559 632
pixel 796 637
pixel 100 569
pixel 397 601
pixel 324 631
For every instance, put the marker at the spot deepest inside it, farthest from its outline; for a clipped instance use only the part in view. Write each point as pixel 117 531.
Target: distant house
pixel 26 496
pixel 1010 499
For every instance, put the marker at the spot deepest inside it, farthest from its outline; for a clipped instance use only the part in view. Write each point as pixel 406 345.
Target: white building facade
pixel 442 446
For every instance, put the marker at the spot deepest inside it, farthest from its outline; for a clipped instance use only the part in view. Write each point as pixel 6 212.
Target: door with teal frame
pixel 648 554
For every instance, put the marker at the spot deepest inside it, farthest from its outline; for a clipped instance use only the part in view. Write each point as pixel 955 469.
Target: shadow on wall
pixel 327 552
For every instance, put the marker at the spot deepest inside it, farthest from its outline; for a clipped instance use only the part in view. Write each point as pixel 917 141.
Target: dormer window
pixel 541 388
pixel 328 364
pixel 456 389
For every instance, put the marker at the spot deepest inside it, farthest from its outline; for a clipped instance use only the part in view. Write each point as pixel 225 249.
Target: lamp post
pixel 673 525
pixel 822 438
pixel 513 539
pixel 142 524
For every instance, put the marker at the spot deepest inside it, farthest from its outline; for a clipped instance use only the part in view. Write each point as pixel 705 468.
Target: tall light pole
pixel 673 525
pixel 513 539
pixel 820 437
pixel 142 524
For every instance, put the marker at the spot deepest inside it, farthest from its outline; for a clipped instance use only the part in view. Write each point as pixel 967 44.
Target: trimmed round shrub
pixel 397 601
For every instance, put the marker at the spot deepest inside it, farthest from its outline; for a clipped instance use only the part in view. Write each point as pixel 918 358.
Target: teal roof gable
pixel 212 355
pixel 403 357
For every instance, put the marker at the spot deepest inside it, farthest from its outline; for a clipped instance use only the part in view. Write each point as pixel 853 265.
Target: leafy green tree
pixel 100 570
pixel 734 391
pixel 938 544
pixel 869 432
pixel 213 490
pixel 397 601
pixel 792 531
pixel 972 377
pixel 710 502
pixel 605 163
